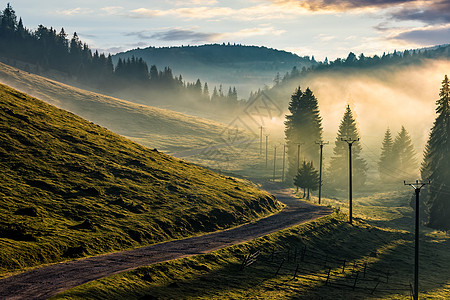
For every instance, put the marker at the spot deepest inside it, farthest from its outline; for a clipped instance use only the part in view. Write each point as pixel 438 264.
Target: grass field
pixel 379 241
pixel 70 188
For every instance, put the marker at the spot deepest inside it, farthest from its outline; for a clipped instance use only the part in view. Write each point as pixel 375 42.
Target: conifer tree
pixel 386 157
pixel 436 163
pixel 339 163
pixel 307 178
pixel 404 155
pixel 303 126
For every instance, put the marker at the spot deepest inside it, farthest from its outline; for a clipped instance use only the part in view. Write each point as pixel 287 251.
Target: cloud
pixel 425 36
pixel 75 11
pixel 185 35
pixel 256 12
pixel 196 2
pixel 112 10
pixel 340 5
pixel 430 12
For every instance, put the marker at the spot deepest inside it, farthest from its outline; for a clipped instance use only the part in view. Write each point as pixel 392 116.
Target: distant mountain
pixel 246 67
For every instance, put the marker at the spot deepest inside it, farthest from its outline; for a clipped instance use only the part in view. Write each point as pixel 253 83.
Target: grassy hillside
pixel 70 188
pixel 166 130
pixel 376 252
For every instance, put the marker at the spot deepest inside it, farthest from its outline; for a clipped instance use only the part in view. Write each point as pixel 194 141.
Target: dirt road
pixel 45 282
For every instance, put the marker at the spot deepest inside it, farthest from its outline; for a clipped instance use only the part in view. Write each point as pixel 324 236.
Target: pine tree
pixel 307 178
pixel 404 155
pixel 386 157
pixel 303 125
pixel 436 163
pixel 339 163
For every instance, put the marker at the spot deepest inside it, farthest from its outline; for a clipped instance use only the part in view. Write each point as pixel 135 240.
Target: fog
pixel 388 97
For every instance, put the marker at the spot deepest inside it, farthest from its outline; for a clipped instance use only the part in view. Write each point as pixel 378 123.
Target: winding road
pixel 42 283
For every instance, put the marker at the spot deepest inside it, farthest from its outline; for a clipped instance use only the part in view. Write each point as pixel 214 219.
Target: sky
pixel 319 28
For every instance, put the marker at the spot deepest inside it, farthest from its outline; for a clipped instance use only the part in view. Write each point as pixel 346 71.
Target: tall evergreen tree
pixel 386 157
pixel 303 126
pixel 339 163
pixel 436 163
pixel 404 155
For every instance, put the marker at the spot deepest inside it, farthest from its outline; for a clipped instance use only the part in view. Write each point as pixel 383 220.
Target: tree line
pixel 46 49
pixel 361 61
pixel 303 128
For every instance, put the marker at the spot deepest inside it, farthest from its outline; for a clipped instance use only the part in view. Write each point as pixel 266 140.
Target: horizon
pixel 333 29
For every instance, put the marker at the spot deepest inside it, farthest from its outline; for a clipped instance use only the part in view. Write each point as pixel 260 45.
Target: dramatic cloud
pixel 424 36
pixel 341 5
pixel 431 12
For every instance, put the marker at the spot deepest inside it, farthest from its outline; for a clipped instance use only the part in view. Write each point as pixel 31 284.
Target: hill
pixel 166 130
pixel 70 188
pixel 246 67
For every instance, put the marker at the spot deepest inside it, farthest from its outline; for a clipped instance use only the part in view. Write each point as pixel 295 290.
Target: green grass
pixel 70 188
pixel 382 242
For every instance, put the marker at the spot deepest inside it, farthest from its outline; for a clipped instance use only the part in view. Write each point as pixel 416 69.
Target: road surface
pixel 42 283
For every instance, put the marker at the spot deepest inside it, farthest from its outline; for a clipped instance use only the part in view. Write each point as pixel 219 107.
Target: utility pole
pixel 298 160
pixel 284 158
pixel 274 161
pixel 350 142
pixel 320 143
pixel 260 141
pixel 416 186
pixel 267 141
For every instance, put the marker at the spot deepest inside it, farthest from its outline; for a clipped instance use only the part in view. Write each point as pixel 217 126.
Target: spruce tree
pixel 386 157
pixel 436 163
pixel 303 126
pixel 338 169
pixel 307 178
pixel 404 154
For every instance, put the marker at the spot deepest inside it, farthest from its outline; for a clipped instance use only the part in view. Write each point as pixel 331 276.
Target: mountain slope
pixel 70 188
pixel 246 67
pixel 166 130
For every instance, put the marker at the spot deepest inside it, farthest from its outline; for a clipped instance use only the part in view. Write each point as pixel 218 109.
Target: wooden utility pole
pixel 260 141
pixel 267 142
pixel 274 161
pixel 284 159
pixel 350 144
pixel 416 186
pixel 320 143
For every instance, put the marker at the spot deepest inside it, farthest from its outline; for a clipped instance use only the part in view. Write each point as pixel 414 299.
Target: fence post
pixel 328 276
pixel 343 267
pixel 279 267
pixel 303 253
pixel 296 270
pixel 245 260
pixel 356 279
pixel 373 291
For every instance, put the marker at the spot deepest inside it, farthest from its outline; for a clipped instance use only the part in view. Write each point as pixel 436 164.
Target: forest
pixel 304 127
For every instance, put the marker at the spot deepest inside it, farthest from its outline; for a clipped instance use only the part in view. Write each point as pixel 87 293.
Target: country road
pixel 48 281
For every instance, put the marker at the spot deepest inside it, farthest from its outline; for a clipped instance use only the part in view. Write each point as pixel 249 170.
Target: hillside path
pixel 42 283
